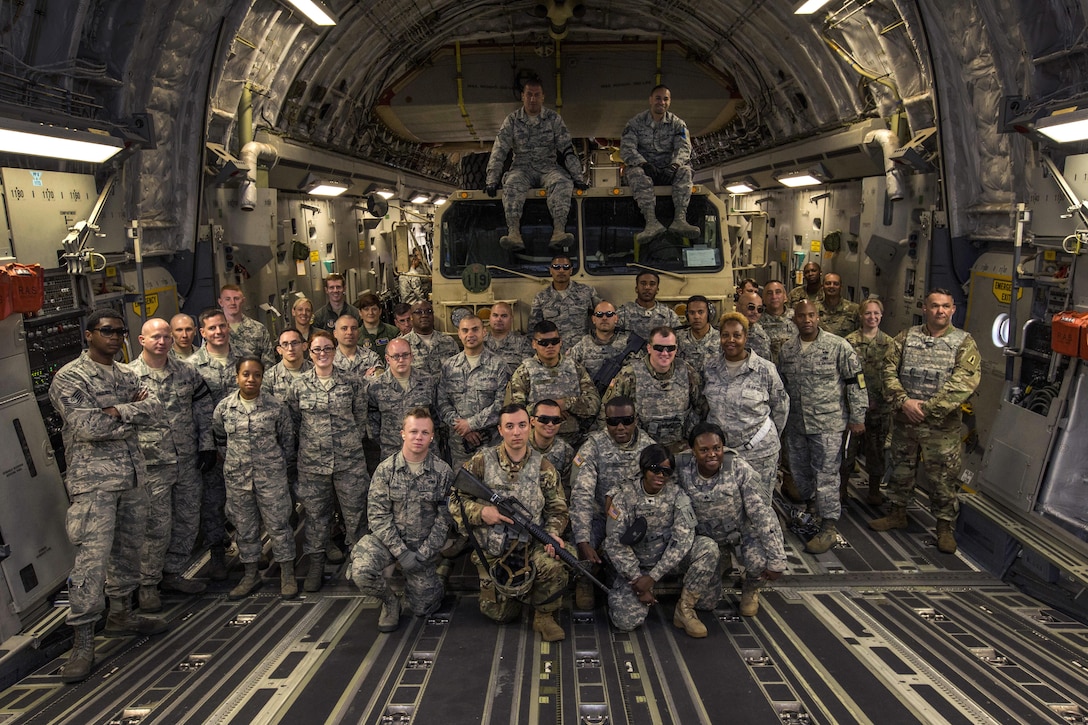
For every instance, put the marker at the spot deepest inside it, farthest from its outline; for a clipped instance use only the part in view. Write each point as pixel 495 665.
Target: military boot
pixel 251 582
pixel 825 539
pixel 316 575
pixel 561 239
pixel 789 488
pixel 897 519
pixel 512 241
pixel 584 596
pixel 217 564
pixel 685 618
pixel 178 583
pixel 389 617
pixel 946 537
pixel 81 659
pixel 123 622
pixel 749 598
pixel 288 583
pixel 149 598
pixel 550 631
pixel 333 555
pixel 681 227
pixel 653 229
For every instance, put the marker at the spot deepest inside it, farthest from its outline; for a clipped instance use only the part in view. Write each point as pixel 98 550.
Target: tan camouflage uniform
pixel 639 320
pixel 842 320
pixel 667 404
pixel 878 417
pixel 513 349
pixel 534 381
pixel 600 469
pixel 568 309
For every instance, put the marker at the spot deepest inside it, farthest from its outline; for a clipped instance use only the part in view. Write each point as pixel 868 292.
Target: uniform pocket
pixel 78 518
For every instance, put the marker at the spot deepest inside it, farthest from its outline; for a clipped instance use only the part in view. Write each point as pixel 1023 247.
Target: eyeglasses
pixel 423 313
pixel 753 306
pixel 550 419
pixel 562 266
pixel 614 420
pixel 664 348
pixel 322 350
pixel 659 469
pixel 547 341
pixel 293 343
pixel 111 331
pixel 605 314
pixel 398 355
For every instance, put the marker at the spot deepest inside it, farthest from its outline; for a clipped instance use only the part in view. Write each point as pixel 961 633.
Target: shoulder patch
pixel 861 380
pixel 613 512
pixel 578 460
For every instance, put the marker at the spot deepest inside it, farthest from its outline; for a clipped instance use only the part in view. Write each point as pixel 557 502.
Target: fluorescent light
pixel 386 194
pixel 315 11
pixel 1065 126
pixel 808 7
pixel 328 190
pixel 440 201
pixel 420 199
pixel 799 180
pixel 323 186
pixel 56 142
pixel 812 176
pixel 740 187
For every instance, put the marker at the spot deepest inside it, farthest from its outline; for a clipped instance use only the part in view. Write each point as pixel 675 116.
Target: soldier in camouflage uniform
pixel 669 545
pixel 394 392
pixel 351 357
pixel 215 362
pixel 607 461
pixel 173 448
pixel 514 469
pixel 183 331
pixel 698 343
pixel 567 304
pixel 668 393
pixel 248 336
pixel 750 304
pixel 549 374
pixel 731 509
pixel 293 363
pixel 837 316
pixel 871 345
pixel 470 392
pixel 374 334
pixel 812 290
pixel 537 137
pixel 545 420
pixel 336 306
pixel 329 409
pixel 429 348
pixel 255 433
pixel 512 347
pixel 101 404
pixel 826 385
pixel 747 400
pixel 402 318
pixel 776 320
pixel 929 372
pixel 656 151
pixel 644 313
pixel 409 522
pixel 603 344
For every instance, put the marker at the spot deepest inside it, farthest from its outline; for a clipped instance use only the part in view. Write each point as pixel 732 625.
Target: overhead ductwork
pixel 889 144
pixel 253 152
pixel 559 13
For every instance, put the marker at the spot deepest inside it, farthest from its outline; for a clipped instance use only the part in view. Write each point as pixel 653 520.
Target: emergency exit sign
pixel 1002 289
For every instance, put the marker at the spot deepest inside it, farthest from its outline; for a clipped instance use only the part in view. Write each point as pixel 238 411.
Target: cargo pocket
pixel 78 518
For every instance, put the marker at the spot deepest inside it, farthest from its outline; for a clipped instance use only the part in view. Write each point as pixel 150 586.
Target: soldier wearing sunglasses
pixel 750 304
pixel 544 438
pixel 604 343
pixel 564 302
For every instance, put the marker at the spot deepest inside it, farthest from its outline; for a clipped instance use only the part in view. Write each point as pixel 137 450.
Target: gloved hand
pixel 581 184
pixel 649 168
pixel 205 460
pixel 410 560
pixel 491 190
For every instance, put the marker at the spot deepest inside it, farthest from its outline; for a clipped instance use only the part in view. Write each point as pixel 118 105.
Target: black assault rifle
pixel 511 508
pixel 612 365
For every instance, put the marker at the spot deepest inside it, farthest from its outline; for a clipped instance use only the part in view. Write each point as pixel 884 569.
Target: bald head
pixel 183 330
pixel 156 340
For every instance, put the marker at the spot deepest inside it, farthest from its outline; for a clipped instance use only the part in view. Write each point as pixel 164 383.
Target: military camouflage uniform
pixel 826 387
pixel 536 142
pixel 842 320
pixel 331 424
pixel 943 372
pixel 407 512
pixel 221 380
pixel 533 381
pixel 388 403
pixel 751 407
pixel 176 354
pixel 697 353
pixel 560 455
pixel 170 445
pixel 592 354
pixel 639 320
pixel 779 328
pixel 413 288
pixel 427 357
pixel 798 293
pixel 356 366
pixel 378 341
pixel 667 404
pixel 325 318
pixel 661 143
pixel 474 394
pixel 277 381
pixel 568 309
pixel 250 337
pixel 513 349
pixel 878 417
pixel 107 516
pixel 535 484
pixel 758 341
pixel 258 442
pixel 600 469
pixel 670 545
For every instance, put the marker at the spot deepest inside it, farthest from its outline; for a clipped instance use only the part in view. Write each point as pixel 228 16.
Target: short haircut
pixel 418 412
pixel 369 299
pixel 655 454
pixel 663 331
pixel 350 317
pixel 318 334
pixel 813 264
pixel 511 408
pixel 333 277
pixel 247 358
pixel 940 291
pixel 748 281
pixel 620 401
pixel 285 331
pixel 733 317
pixel 660 87
pixel 300 300
pixel 401 308
pixel 774 281
pixel 561 255
pixel 699 298
pixel 545 401
pixel 230 288
pixel 704 428
pixel 645 272
pixel 209 312
pixel 100 314
pixel 871 301
pixel 544 327
pixel 470 316
pixel 532 80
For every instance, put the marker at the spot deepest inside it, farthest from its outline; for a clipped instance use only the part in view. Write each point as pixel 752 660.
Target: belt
pixel 767 427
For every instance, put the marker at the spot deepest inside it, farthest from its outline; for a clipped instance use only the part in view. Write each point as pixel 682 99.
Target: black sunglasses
pixel 605 314
pixel 620 420
pixel 562 266
pixel 664 348
pixel 757 308
pixel 111 331
pixel 659 468
pixel 547 341
pixel 550 419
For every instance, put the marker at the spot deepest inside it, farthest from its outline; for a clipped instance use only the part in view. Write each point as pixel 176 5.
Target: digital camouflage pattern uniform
pixel 170 445
pixel 475 394
pixel 751 407
pixel 759 341
pixel 534 381
pixel 600 469
pixel 840 320
pixel 221 381
pixel 569 309
pixel 667 404
pixel 513 349
pixel 661 143
pixel 559 454
pixel 331 421
pixel 428 356
pixel 779 328
pixel 325 318
pixel 697 353
pixel 670 545
pixel 407 512
pixel 533 482
pixel 277 381
pixel 827 389
pixel 180 357
pixel 258 439
pixel 878 417
pixel 357 365
pixel 943 372
pixel 250 337
pixel 537 143
pixel 798 293
pixel 388 403
pixel 639 320
pixel 105 479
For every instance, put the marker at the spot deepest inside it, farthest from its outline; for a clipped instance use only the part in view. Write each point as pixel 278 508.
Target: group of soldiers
pixel 650 452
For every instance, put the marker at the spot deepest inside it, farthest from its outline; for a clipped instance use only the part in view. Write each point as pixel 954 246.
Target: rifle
pixel 612 366
pixel 510 507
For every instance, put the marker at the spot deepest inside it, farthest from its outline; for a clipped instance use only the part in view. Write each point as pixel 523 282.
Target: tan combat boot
pixel 123 622
pixel 825 539
pixel 389 617
pixel 946 537
pixel 584 596
pixel 512 241
pixel 288 583
pixel 550 631
pixel 251 582
pixel 315 577
pixel 749 599
pixel 81 659
pixel 897 519
pixel 685 618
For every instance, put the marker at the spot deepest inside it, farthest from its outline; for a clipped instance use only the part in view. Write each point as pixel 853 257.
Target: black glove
pixel 491 190
pixel 205 460
pixel 581 184
pixel 410 561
